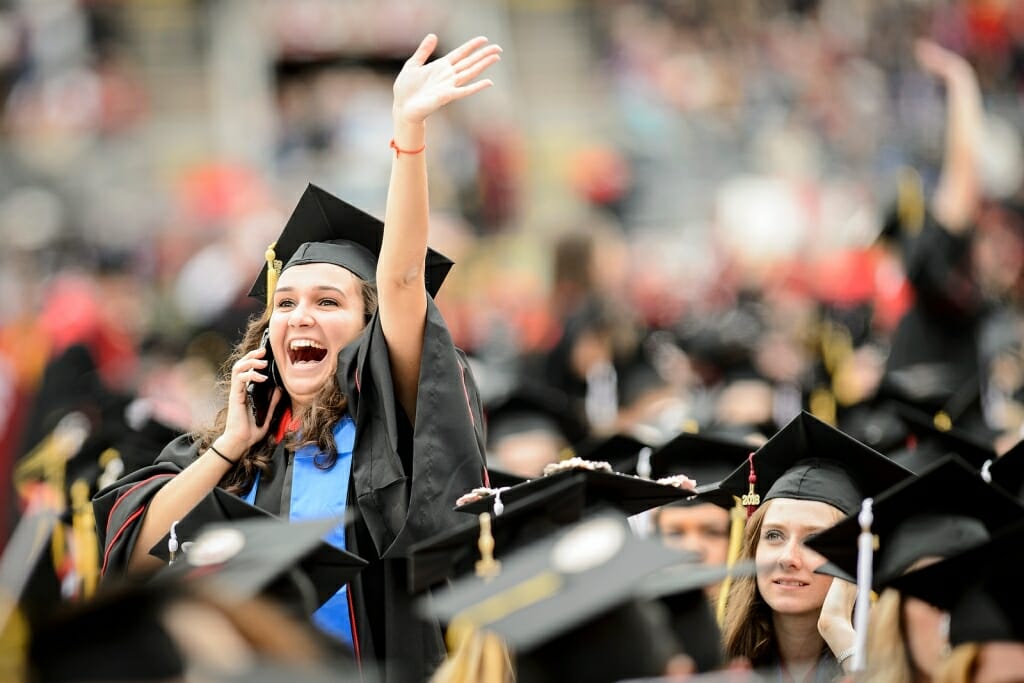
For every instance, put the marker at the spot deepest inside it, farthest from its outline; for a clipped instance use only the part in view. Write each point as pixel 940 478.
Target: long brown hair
pixel 747 628
pixel 317 419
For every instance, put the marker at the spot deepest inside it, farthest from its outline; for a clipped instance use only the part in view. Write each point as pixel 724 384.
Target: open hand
pixel 421 89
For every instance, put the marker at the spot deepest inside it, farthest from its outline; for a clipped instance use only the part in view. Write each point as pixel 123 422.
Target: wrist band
pixel 399 151
pixel 224 457
pixel 845 654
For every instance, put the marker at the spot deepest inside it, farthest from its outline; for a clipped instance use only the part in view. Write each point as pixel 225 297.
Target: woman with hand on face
pixel 789 621
pixel 375 416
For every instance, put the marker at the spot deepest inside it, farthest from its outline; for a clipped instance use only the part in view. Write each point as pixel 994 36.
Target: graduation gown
pixel 403 486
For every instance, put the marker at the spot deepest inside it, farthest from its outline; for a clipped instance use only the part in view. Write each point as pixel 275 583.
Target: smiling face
pixel 318 309
pixel 788 583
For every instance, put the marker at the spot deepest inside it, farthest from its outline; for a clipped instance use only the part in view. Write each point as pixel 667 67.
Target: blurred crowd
pixel 730 246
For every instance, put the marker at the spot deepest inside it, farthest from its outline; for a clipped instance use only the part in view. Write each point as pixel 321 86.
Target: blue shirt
pixel 318 494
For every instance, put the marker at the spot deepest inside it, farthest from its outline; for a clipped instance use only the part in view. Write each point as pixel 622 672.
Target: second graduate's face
pixel 318 309
pixel 787 581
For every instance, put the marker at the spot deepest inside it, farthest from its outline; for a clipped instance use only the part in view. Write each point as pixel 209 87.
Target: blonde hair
pixel 960 666
pixel 888 659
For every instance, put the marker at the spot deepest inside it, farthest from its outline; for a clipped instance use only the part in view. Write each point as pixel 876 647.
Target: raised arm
pixel 420 89
pixel 956 198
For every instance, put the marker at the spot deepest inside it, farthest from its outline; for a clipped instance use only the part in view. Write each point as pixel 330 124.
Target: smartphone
pixel 259 393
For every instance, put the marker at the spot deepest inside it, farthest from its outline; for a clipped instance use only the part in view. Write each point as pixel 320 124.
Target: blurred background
pixel 656 209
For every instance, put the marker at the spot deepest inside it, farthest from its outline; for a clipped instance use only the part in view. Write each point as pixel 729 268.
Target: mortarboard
pixel 1007 471
pixel 560 502
pixel 627 493
pixel 810 460
pixel 245 551
pixel 706 458
pixel 569 603
pixel 947 509
pixel 325 229
pixel 979 588
pixel 621 451
pixel 937 436
pixel 500 478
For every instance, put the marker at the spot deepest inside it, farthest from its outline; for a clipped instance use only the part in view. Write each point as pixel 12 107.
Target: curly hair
pixel 317 419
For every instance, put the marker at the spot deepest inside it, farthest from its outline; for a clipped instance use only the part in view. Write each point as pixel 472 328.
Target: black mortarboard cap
pixel 1007 471
pixel 706 458
pixel 560 583
pixel 979 588
pixel 945 510
pixel 810 460
pixel 533 407
pixel 621 451
pixel 454 553
pixel 499 478
pixel 627 493
pixel 244 551
pixel 325 229
pixel 938 436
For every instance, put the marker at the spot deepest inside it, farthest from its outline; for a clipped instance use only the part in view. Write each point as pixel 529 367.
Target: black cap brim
pixel 320 217
pixel 629 494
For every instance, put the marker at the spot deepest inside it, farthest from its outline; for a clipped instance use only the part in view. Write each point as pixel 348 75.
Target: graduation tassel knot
pixel 486 567
pixel 751 500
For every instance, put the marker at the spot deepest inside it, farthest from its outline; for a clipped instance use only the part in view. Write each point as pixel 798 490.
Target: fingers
pixel 464 50
pixel 426 48
pixel 468 74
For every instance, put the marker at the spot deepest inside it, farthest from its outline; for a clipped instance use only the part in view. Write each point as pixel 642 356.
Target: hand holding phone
pixel 259 393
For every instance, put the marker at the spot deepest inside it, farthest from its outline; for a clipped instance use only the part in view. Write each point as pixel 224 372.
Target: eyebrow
pixel 319 288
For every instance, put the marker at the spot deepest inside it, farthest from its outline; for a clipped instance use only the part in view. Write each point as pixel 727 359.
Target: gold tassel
pixel 737 523
pixel 273 272
pixel 83 530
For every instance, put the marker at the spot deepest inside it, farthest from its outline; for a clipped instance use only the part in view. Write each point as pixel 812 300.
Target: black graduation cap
pixel 979 588
pixel 1007 472
pixel 621 451
pixel 533 407
pixel 938 436
pixel 946 509
pixel 706 458
pixel 810 460
pixel 559 502
pixel 246 551
pixel 570 602
pixel 500 478
pixel 624 492
pixel 325 229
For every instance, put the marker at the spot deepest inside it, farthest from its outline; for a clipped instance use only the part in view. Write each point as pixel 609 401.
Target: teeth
pixel 305 344
pixel 790 583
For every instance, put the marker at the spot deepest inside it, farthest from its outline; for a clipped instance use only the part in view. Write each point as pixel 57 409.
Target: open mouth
pixel 306 351
pixel 790 583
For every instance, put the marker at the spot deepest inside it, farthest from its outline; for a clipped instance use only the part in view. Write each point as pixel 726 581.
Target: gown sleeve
pixel 120 507
pixel 406 487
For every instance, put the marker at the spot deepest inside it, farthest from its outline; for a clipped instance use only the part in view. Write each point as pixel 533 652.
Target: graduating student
pixel 790 620
pixel 375 414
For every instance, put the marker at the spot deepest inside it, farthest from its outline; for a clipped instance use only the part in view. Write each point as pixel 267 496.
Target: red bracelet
pixel 399 151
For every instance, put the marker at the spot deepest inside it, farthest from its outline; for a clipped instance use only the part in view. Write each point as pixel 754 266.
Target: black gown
pixel 405 480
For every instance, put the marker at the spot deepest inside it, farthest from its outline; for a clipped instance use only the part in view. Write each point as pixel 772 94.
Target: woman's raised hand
pixel 421 88
pixel 240 429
